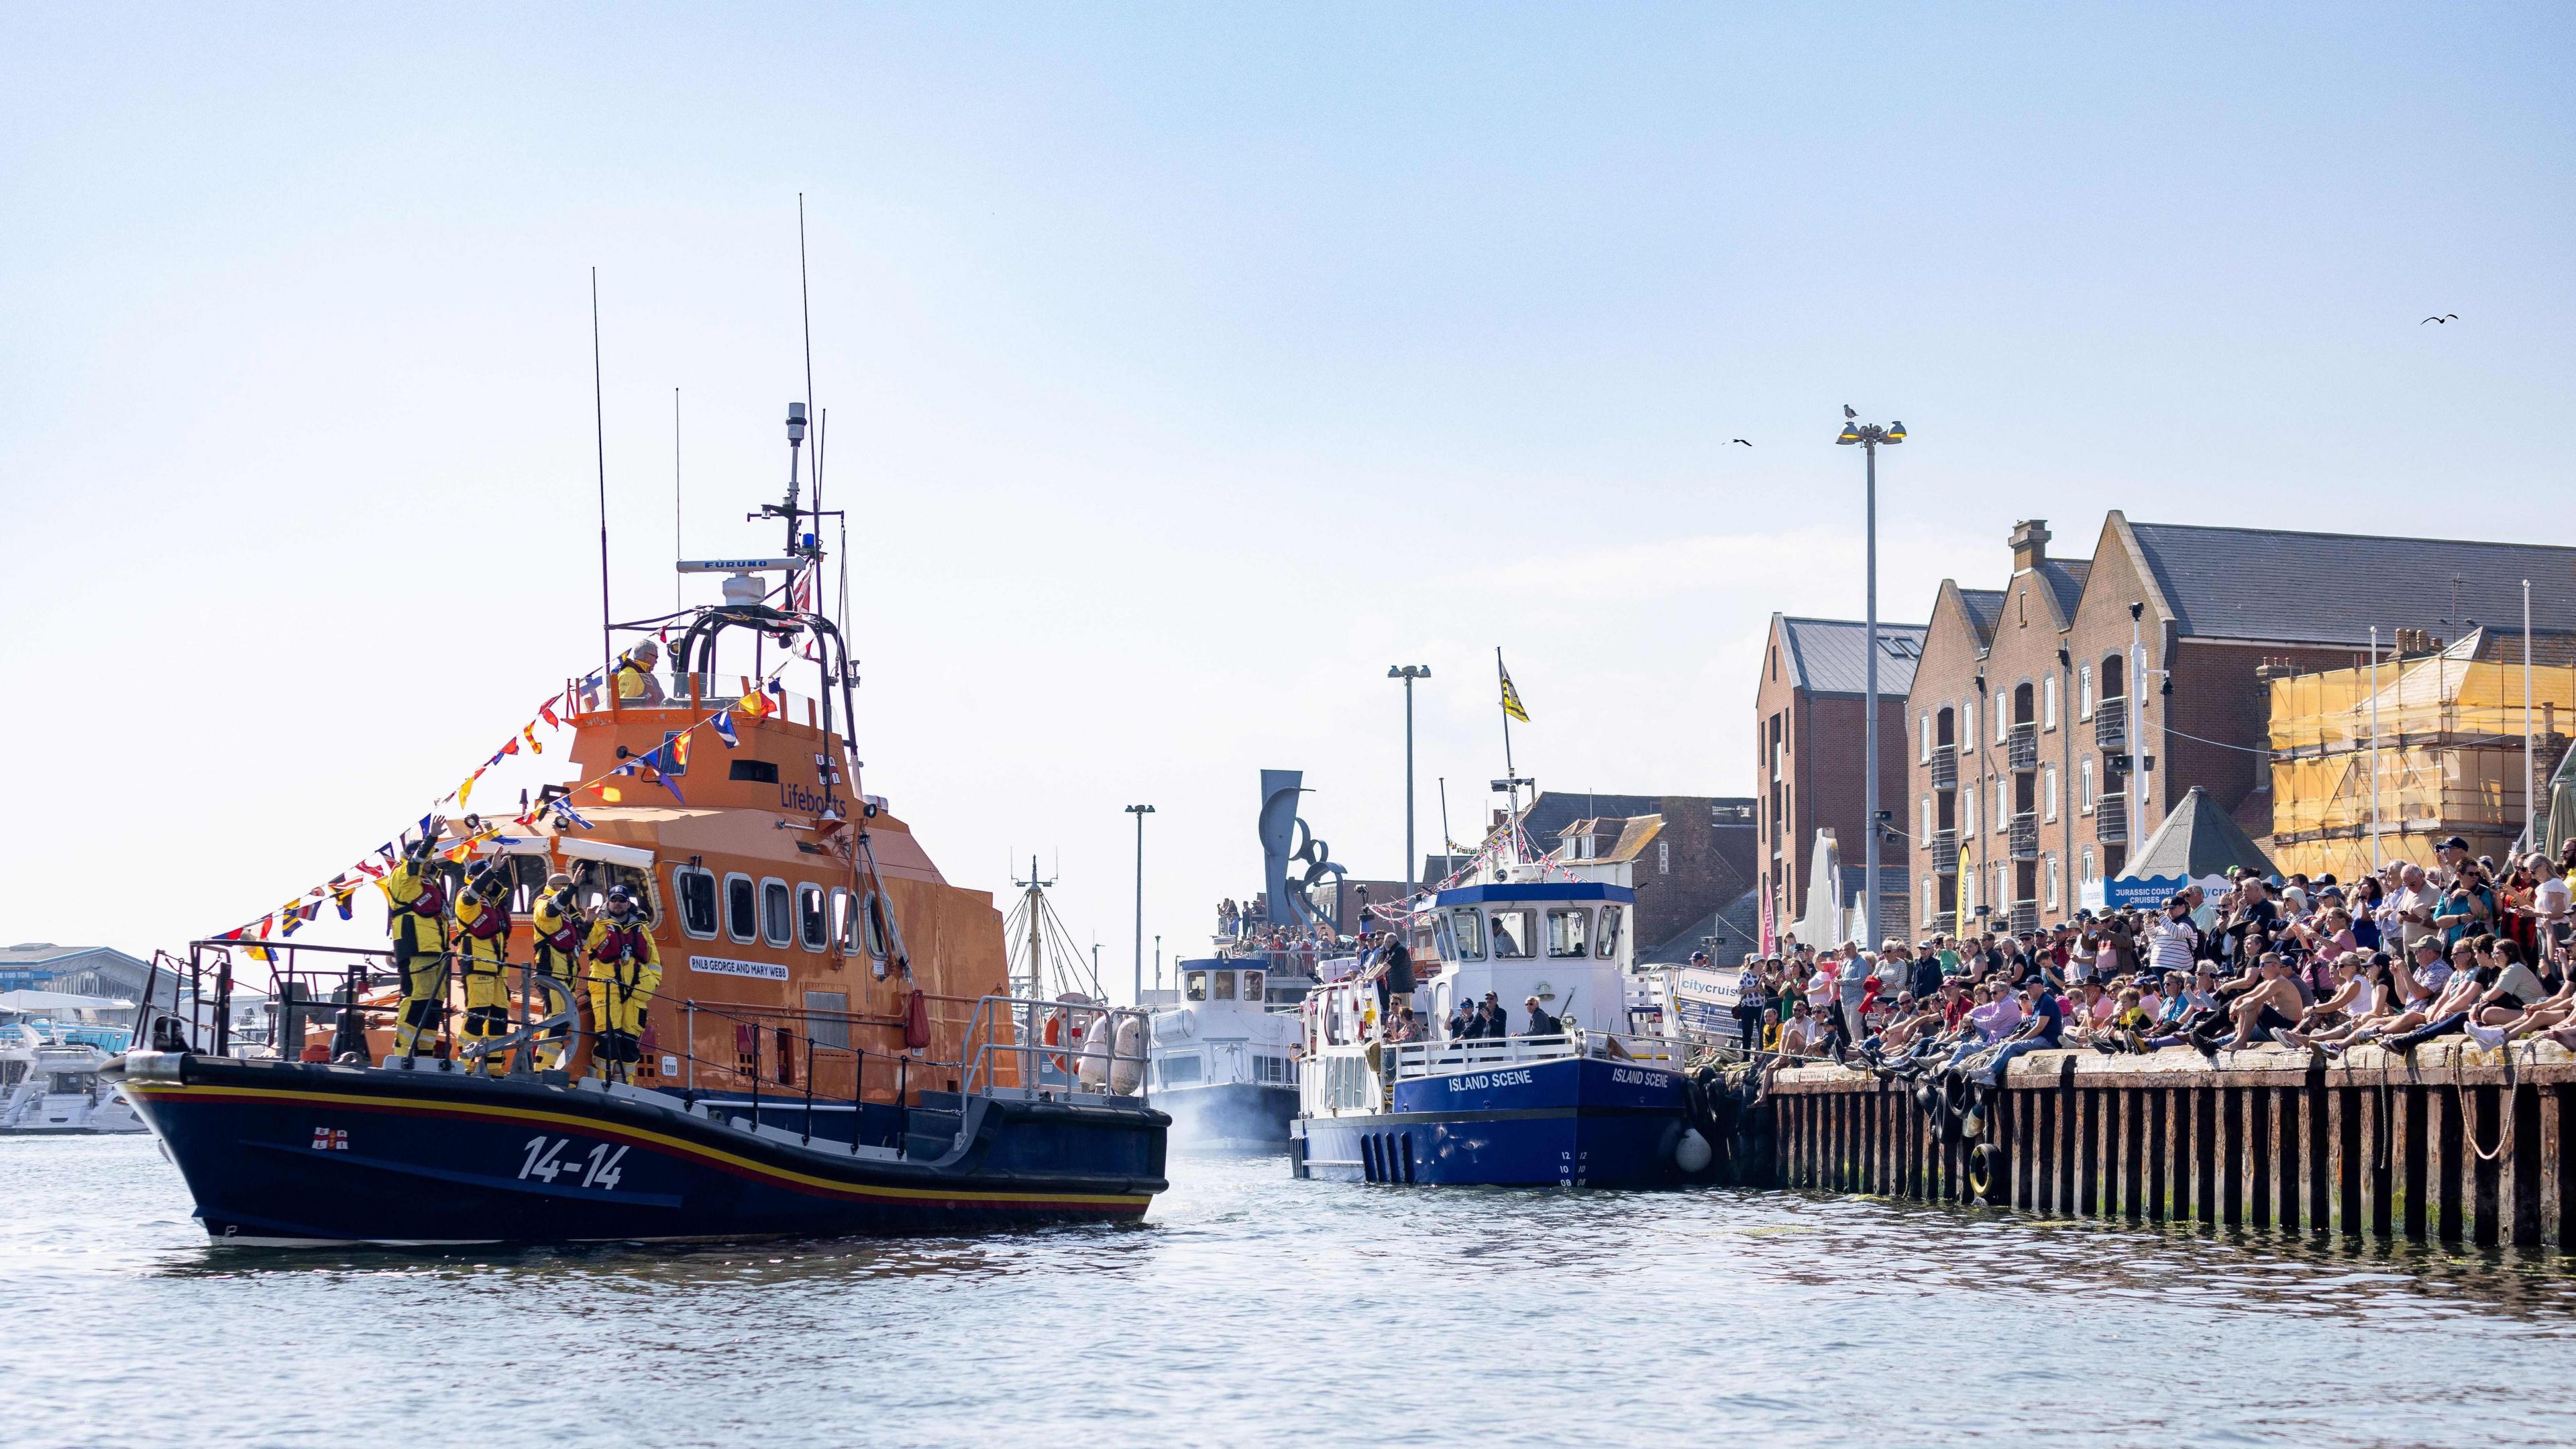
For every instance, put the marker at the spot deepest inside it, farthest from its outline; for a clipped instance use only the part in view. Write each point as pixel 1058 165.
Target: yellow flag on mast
pixel 1511 696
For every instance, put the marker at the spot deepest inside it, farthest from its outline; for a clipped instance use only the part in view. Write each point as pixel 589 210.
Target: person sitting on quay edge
pixel 2271 1005
pixel 1540 1022
pixel 2042 1030
pixel 1797 1039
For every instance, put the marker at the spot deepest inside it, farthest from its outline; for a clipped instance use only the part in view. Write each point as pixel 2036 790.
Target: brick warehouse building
pixel 1807 717
pixel 2017 721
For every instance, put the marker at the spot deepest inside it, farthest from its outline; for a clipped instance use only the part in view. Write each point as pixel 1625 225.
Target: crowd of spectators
pixel 2410 953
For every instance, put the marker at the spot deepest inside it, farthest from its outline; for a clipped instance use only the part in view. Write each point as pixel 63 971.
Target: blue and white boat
pixel 1589 1105
pixel 1225 1060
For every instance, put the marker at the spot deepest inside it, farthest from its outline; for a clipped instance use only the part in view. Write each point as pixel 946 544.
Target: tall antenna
pixel 599 423
pixel 805 308
pixel 677 552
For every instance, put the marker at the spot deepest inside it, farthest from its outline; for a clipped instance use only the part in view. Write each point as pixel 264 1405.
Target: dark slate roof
pixel 2198 839
pixel 2330 588
pixel 1830 656
pixel 1545 818
pixel 1985 606
pixel 1737 927
pixel 2065 578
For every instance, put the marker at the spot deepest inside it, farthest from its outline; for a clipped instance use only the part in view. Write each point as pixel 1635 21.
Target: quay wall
pixel 2455 1145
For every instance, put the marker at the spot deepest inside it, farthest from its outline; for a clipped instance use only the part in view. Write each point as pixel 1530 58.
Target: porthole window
pixel 811 929
pixel 696 888
pixel 775 926
pixel 742 909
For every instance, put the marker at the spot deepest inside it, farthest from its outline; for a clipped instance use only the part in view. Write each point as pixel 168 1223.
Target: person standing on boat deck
pixel 1498 1022
pixel 483 939
pixel 1394 971
pixel 636 683
pixel 416 920
pixel 558 927
pixel 624 972
pixel 1540 1023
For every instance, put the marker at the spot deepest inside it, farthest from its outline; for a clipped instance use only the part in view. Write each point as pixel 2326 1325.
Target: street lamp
pixel 1140 812
pixel 1870 436
pixel 1408 673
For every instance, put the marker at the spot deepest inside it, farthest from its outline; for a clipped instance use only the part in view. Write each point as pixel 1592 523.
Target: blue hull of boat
pixel 1572 1122
pixel 292 1154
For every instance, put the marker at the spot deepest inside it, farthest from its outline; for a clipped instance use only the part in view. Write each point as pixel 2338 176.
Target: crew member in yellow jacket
pixel 624 971
pixel 416 921
pixel 482 942
pixel 558 927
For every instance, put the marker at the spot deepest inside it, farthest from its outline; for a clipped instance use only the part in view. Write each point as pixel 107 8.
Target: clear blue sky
pixel 1188 366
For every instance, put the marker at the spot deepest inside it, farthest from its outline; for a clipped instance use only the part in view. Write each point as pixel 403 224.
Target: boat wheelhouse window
pixel 1566 930
pixel 1609 944
pixel 845 922
pixel 1467 930
pixel 1511 935
pixel 775 909
pixel 1252 986
pixel 1223 981
pixel 810 926
pixel 1194 985
pixel 759 772
pixel 742 909
pixel 872 926
pixel 827 1018
pixel 1180 1069
pixel 592 880
pixel 696 888
pixel 1271 1069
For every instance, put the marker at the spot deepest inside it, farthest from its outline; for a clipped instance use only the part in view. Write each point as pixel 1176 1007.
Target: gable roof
pixel 1985 609
pixel 2065 579
pixel 1831 656
pixel 2330 588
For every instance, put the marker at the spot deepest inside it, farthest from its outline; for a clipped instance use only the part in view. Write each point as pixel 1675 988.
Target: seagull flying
pixel 1739 440
pixel 2446 319
pixel 1847 411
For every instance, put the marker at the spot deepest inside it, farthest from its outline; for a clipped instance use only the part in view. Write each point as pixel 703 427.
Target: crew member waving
pixel 483 925
pixel 416 920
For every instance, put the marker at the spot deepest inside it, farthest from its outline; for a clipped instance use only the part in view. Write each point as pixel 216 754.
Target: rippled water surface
pixel 1253 1309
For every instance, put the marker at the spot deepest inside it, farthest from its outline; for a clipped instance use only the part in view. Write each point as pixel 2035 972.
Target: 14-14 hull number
pixel 547 1162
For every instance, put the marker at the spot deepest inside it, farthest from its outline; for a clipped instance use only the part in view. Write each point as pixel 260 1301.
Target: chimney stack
pixel 2030 543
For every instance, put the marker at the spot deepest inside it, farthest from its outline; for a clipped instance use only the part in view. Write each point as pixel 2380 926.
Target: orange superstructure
pixel 778 898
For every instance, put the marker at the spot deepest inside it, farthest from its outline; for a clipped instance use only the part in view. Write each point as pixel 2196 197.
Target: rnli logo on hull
pixel 725 966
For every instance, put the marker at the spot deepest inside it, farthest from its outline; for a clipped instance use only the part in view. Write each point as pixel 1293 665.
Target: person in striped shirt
pixel 2173 941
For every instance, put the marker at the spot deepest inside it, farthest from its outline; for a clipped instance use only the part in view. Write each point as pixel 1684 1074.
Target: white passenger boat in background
pixel 1225 1064
pixel 49 1080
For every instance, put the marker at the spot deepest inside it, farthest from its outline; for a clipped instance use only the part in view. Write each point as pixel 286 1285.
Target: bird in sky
pixel 1847 411
pixel 2446 319
pixel 1739 440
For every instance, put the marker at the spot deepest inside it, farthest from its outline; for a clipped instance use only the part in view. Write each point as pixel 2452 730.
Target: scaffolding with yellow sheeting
pixel 2424 748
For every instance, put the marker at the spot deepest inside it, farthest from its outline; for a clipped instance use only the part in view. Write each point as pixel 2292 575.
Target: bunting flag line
pixel 340 889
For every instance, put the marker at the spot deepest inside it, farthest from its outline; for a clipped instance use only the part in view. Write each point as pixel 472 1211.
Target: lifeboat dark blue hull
pixel 1567 1122
pixel 291 1154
